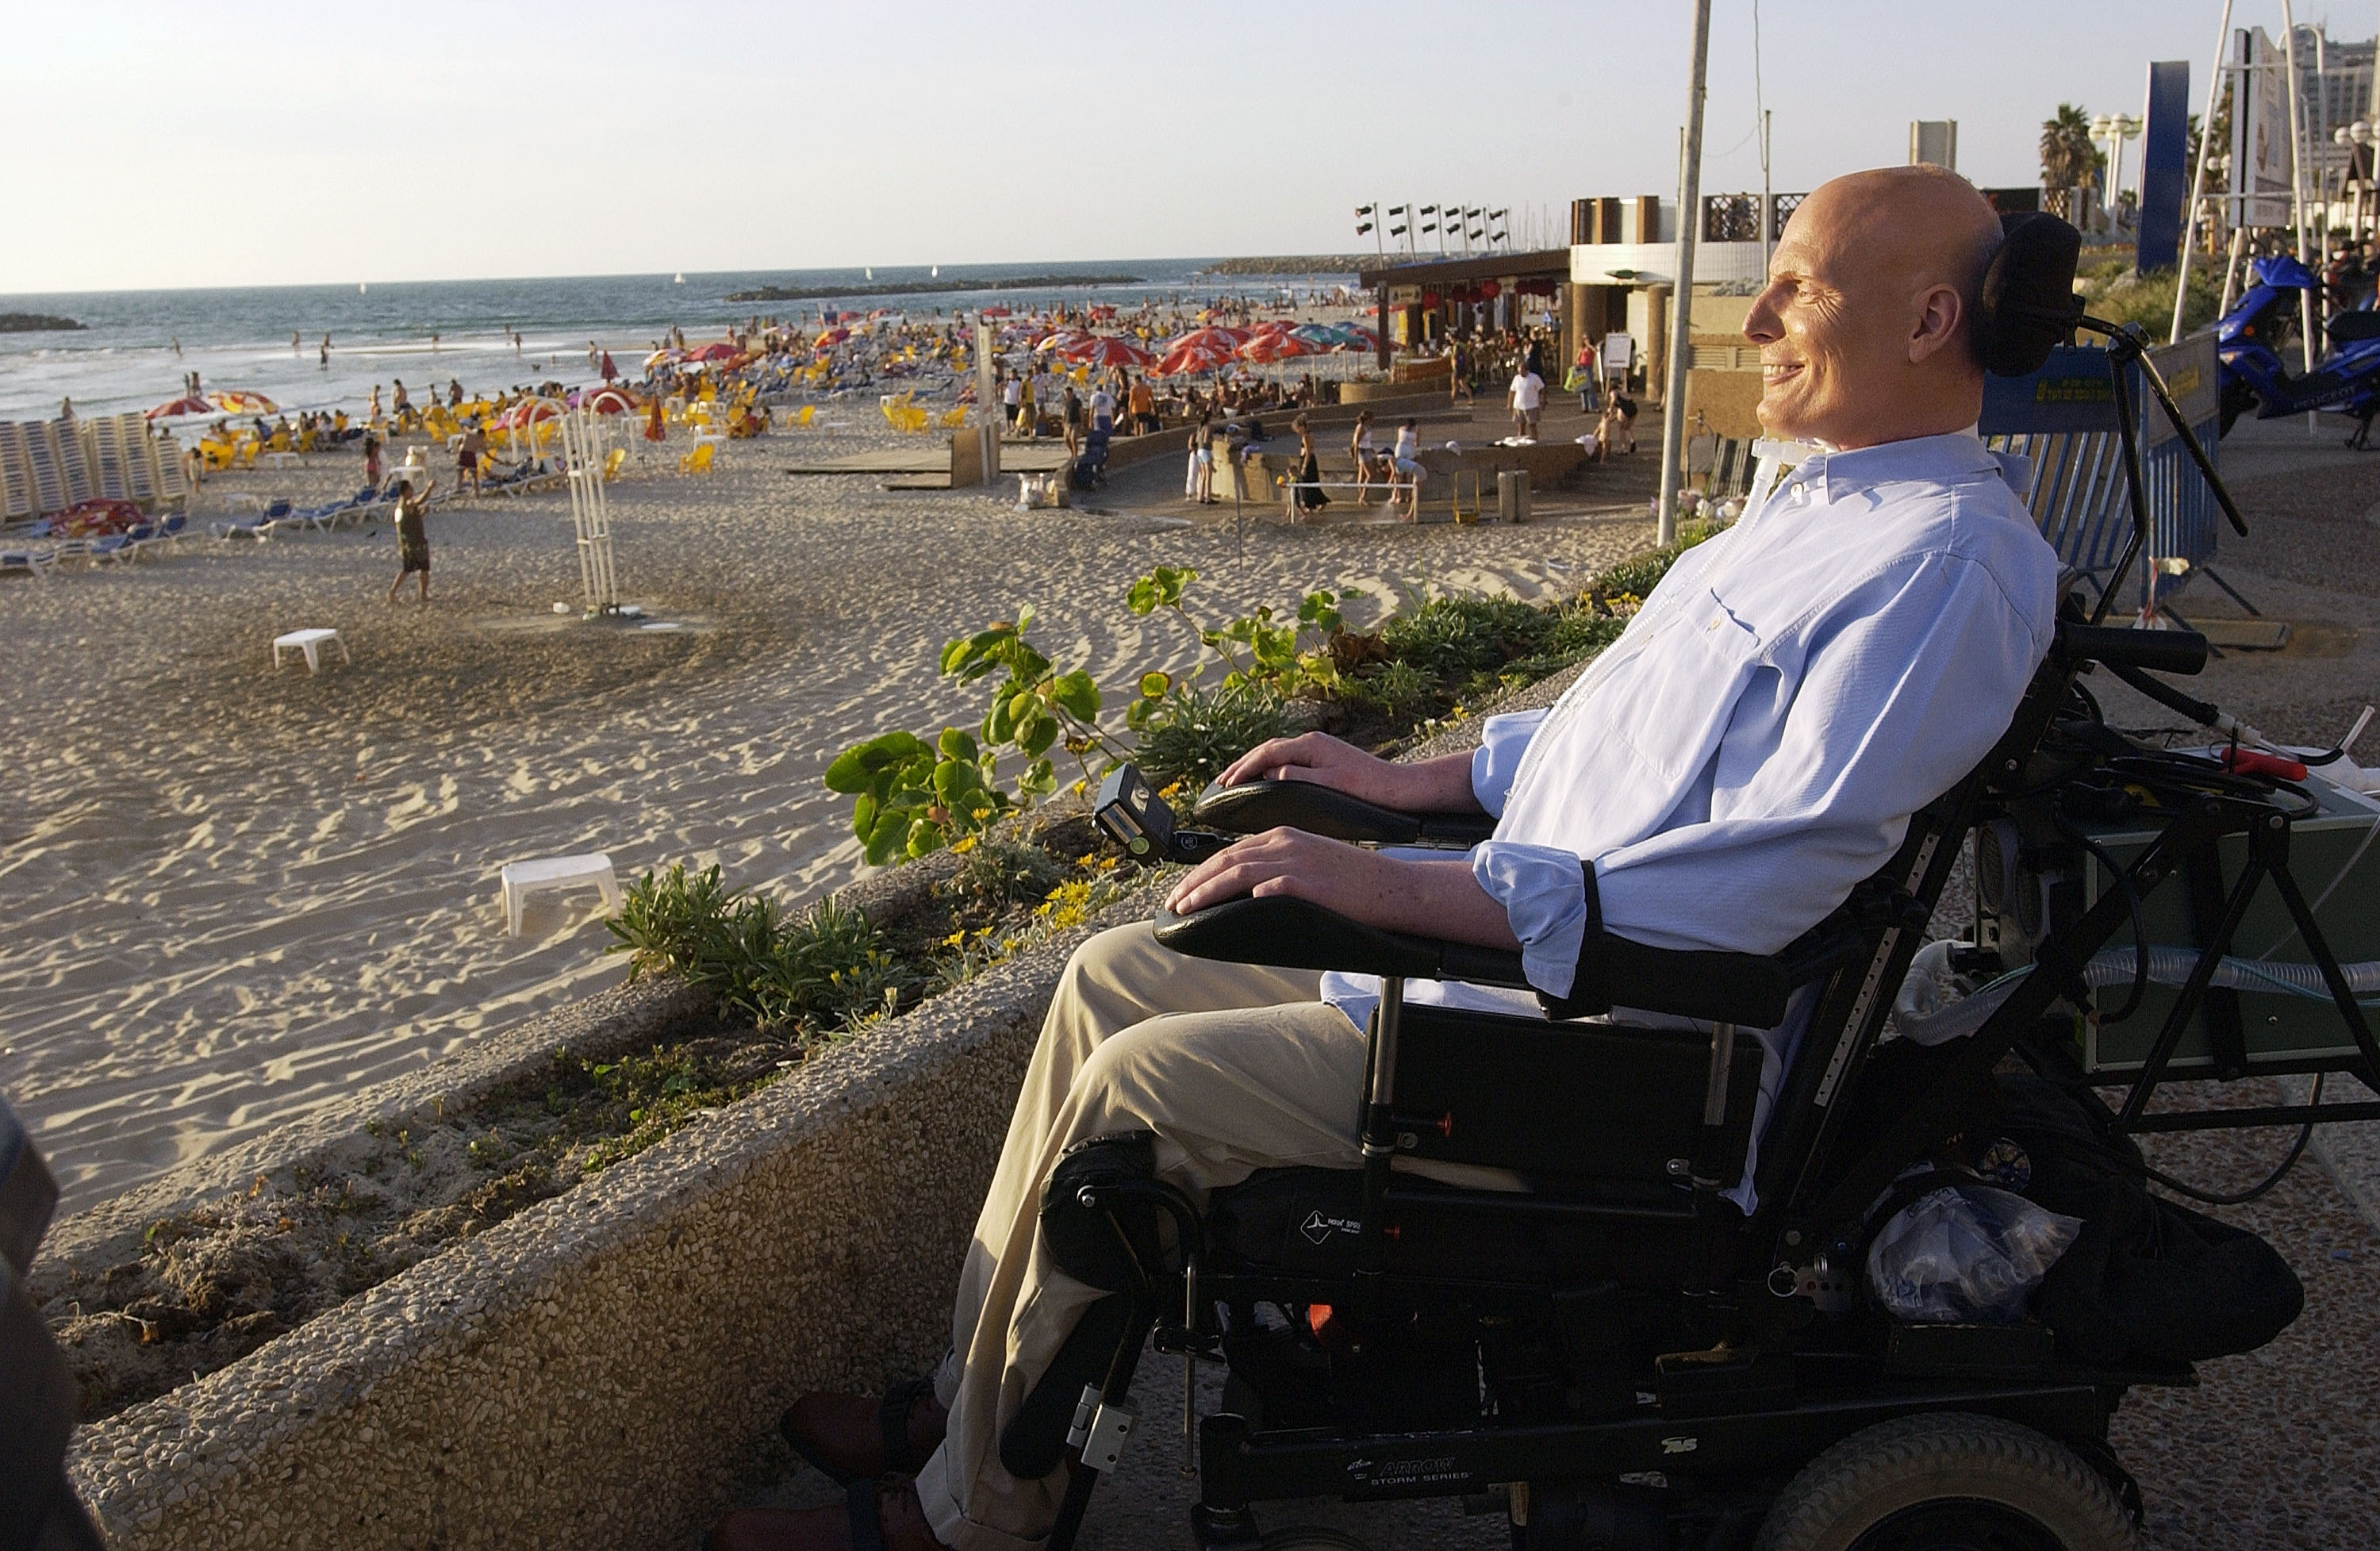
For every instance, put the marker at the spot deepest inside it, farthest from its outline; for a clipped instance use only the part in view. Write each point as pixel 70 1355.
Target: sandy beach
pixel 237 892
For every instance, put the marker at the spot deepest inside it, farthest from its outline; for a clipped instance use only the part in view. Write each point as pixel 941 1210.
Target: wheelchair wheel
pixel 1311 1537
pixel 1949 1482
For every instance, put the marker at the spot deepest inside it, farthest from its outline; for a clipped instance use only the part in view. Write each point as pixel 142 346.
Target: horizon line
pixel 638 274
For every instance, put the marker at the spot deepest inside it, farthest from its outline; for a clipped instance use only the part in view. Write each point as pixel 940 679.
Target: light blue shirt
pixel 1756 742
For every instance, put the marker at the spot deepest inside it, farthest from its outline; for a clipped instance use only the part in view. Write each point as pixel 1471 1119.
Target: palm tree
pixel 2068 155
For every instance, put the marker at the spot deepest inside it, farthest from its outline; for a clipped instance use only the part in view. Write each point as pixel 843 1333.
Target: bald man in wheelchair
pixel 1752 746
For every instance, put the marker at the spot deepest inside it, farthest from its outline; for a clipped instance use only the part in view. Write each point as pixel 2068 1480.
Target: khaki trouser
pixel 1235 1068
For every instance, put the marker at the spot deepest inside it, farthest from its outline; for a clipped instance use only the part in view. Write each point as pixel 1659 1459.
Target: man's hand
pixel 1435 786
pixel 1425 899
pixel 1332 873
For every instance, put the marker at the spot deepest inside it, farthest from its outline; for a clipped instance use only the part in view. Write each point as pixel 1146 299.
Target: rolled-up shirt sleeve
pixel 1502 741
pixel 1543 891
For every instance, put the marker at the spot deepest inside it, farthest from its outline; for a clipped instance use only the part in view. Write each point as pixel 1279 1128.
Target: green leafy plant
pixel 912 796
pixel 809 972
pixel 1452 636
pixel 999 873
pixel 1283 657
pixel 1194 735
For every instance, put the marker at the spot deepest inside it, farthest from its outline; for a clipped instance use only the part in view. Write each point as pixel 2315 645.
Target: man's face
pixel 1834 335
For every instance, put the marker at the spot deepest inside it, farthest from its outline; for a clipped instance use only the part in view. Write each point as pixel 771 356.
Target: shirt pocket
pixel 1675 704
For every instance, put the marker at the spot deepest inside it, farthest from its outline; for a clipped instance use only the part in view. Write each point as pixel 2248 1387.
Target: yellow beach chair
pixel 697 461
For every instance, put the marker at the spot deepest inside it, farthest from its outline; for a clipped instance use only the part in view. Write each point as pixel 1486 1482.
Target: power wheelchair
pixel 1616 1354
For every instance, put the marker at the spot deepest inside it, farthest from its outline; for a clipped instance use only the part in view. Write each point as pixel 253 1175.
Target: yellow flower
pixel 956 939
pixel 1172 792
pixel 963 844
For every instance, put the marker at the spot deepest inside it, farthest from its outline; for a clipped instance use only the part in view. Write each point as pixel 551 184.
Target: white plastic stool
pixel 524 878
pixel 309 642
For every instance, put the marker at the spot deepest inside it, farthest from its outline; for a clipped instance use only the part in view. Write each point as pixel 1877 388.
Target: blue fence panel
pixel 2063 418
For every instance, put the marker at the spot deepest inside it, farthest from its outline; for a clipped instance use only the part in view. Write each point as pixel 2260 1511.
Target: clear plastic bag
pixel 1966 1253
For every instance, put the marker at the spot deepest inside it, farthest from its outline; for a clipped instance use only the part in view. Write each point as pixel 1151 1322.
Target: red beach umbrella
pixel 609 401
pixel 186 405
pixel 1266 348
pixel 717 350
pixel 1106 350
pixel 1194 357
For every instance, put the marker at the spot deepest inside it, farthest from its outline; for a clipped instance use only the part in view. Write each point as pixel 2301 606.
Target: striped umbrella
pixel 1197 356
pixel 1106 350
pixel 236 401
pixel 177 409
pixel 1266 348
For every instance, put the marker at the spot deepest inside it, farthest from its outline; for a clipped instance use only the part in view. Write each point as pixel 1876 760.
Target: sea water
pixel 124 356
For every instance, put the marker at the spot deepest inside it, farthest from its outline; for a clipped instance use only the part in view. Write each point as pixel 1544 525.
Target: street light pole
pixel 1682 316
pixel 2198 179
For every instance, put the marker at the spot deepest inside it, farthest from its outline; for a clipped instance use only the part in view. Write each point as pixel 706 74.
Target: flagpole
pixel 1681 315
pixel 2198 179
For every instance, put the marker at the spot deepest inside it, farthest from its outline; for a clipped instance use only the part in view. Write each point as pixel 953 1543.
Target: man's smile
pixel 1778 371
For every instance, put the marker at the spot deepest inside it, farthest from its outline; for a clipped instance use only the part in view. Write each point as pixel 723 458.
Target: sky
pixel 153 145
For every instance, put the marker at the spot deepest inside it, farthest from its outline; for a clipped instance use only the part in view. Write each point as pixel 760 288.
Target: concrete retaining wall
pixel 604 1368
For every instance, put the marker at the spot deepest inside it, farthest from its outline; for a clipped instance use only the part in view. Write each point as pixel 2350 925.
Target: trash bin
pixel 1512 495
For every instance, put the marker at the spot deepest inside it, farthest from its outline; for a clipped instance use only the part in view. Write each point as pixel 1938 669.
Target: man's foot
pixel 899 1524
pixel 852 1437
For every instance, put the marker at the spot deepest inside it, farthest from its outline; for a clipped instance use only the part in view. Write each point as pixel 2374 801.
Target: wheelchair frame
pixel 1782 1362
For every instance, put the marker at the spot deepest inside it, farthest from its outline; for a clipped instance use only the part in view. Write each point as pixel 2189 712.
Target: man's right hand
pixel 1435 786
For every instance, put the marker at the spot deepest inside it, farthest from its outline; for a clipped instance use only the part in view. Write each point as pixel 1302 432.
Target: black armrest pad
pixel 1297 934
pixel 1746 989
pixel 1322 810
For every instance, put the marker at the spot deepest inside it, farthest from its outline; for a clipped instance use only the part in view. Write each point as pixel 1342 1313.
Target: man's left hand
pixel 1332 873
pixel 1423 898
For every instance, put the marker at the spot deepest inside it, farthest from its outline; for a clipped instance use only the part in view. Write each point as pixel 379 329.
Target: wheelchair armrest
pixel 1298 934
pixel 1322 810
pixel 1743 989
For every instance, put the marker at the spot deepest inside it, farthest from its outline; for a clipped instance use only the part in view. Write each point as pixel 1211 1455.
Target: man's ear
pixel 1940 310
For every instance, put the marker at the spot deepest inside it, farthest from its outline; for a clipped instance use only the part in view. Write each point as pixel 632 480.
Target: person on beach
pixel 1788 697
pixel 413 536
pixel 1366 457
pixel 1405 470
pixel 1141 403
pixel 1103 408
pixel 1071 416
pixel 371 459
pixel 371 411
pixel 1527 394
pixel 1624 426
pixel 470 456
pixel 1311 497
pixel 1202 463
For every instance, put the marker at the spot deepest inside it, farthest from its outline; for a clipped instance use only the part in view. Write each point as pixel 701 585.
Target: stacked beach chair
pixel 48 467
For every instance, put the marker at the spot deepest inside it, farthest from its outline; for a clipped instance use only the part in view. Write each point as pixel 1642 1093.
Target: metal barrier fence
pixel 2063 418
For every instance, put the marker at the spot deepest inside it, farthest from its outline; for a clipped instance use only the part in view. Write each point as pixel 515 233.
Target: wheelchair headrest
pixel 2026 304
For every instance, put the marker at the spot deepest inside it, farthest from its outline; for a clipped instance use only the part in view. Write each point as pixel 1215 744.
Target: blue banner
pixel 2165 166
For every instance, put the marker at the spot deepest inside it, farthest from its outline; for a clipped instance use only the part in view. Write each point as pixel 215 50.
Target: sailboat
pixel 679 279
pixel 867 272
pixel 360 287
pixel 937 270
